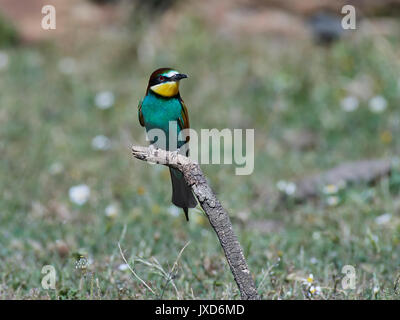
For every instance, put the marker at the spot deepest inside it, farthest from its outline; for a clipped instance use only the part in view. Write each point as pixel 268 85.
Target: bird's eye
pixel 162 78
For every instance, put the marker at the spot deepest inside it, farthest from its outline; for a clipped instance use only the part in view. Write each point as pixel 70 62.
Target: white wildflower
pixel 101 142
pixel 350 103
pixel 383 219
pixel 311 286
pixel 286 187
pixel 83 263
pixel 112 210
pixel 332 201
pixel 104 100
pixel 79 194
pixel 123 267
pixel 281 185
pixel 378 104
pixel 315 290
pixel 309 280
pixel 290 188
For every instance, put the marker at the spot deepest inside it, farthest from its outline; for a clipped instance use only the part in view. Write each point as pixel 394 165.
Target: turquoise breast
pixel 158 112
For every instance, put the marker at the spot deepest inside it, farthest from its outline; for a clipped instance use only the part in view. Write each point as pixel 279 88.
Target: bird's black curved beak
pixel 178 77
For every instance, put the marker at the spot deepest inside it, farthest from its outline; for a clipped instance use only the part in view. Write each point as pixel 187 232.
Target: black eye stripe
pixel 157 80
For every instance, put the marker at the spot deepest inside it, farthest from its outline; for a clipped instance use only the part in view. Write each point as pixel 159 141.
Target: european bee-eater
pixel 161 105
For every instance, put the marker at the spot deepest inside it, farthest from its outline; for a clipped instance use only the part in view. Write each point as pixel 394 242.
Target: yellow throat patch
pixel 166 89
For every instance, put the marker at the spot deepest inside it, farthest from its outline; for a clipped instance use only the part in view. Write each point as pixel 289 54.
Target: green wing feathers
pixel 140 114
pixel 184 119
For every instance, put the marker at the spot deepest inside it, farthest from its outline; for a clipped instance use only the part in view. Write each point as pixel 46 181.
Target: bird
pixel 161 105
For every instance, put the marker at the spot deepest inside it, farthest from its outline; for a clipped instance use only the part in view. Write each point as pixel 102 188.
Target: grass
pixel 48 120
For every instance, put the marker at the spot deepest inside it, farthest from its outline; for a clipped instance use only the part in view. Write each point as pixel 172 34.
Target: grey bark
pixel 212 207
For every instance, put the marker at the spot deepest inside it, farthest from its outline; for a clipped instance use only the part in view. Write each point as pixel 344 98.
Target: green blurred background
pixel 316 95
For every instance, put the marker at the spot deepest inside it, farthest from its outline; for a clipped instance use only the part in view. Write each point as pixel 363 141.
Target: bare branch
pixel 366 171
pixel 216 214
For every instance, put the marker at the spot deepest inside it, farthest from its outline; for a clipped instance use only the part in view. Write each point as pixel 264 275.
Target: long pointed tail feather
pixel 182 195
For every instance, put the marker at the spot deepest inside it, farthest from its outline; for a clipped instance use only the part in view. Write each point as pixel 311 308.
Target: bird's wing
pixel 140 114
pixel 184 118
